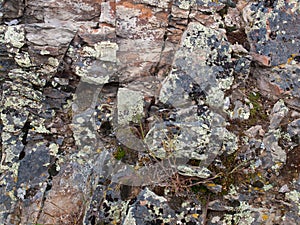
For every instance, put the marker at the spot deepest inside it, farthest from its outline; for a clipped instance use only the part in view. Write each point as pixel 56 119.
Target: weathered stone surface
pixel 272 30
pixel 147 111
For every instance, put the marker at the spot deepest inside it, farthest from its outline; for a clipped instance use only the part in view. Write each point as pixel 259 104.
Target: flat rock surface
pixel 149 112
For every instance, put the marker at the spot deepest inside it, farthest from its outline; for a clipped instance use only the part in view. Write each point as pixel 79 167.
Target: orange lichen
pixel 264 217
pixel 146 12
pixel 291 58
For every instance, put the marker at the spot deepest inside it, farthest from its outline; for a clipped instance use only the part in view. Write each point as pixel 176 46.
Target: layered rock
pixel 146 111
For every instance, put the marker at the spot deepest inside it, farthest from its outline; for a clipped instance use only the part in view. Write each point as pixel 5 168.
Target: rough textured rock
pixel 149 112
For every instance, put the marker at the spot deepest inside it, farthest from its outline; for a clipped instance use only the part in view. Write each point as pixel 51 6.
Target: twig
pixel 205 210
pixel 203 181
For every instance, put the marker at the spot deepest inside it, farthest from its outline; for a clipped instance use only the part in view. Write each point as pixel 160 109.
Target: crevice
pixel 189 16
pixel 154 71
pixel 42 205
pixel 1 130
pixel 24 141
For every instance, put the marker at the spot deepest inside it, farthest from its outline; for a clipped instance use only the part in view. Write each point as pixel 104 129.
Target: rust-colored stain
pixel 92 1
pixel 146 12
pixel 113 5
pixel 162 16
pixel 261 59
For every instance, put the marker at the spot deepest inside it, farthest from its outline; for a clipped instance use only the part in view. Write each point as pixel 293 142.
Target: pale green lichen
pixel 53 62
pixel 294 6
pixel 294 196
pixel 278 154
pixel 27 77
pixel 267 187
pixel 60 160
pixel 23 59
pixel 232 191
pixel 11 194
pixel 96 80
pixel 280 4
pixel 130 106
pixel 194 28
pixel 25 91
pixel 40 128
pixel 215 97
pixel 15 35
pixel 8 151
pixel 53 149
pixel 242 216
pixel 179 145
pixel 117 210
pixel 82 71
pixel 173 93
pixel 14 168
pixel 20 102
pixel 49 67
pixel 44 52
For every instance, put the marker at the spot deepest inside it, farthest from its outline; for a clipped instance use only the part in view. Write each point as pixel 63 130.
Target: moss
pixel 254 96
pixel 231 172
pixel 119 153
pixel 199 189
pixel 202 193
pixel 257 112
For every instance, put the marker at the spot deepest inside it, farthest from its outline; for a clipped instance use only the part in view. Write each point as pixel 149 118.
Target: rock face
pixel 149 112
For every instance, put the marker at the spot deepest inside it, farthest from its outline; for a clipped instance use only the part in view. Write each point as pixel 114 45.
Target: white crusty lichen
pixel 229 141
pixel 150 194
pixel 44 52
pixel 105 51
pixel 130 106
pixel 53 149
pixel 193 31
pixel 83 70
pixel 241 111
pixel 186 4
pixel 89 73
pixel 21 192
pixel 294 196
pixel 225 84
pixel 191 171
pixel 15 36
pixel 129 220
